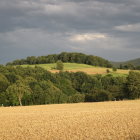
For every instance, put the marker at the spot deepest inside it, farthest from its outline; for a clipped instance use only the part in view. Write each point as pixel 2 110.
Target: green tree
pixel 76 98
pixel 51 93
pixel 107 71
pixel 65 85
pixel 102 95
pixel 38 95
pixel 19 89
pixel 114 69
pixel 3 83
pixel 133 85
pixel 59 65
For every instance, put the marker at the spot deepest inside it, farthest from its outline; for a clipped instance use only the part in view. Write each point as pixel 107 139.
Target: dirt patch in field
pixel 86 70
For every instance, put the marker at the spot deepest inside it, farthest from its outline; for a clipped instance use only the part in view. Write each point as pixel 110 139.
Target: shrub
pixel 59 65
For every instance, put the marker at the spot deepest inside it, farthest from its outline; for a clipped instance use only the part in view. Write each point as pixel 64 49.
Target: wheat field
pixel 118 120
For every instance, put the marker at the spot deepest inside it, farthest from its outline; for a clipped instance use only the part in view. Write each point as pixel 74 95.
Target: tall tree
pixel 3 83
pixel 19 89
pixel 133 85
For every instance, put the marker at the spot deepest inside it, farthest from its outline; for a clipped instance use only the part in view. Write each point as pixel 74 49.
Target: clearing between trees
pixel 75 67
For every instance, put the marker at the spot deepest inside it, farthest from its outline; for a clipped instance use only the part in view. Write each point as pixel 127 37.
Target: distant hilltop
pixel 131 64
pixel 72 57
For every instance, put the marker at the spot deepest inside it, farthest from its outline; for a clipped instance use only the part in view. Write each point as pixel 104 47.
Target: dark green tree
pixel 102 95
pixel 77 98
pixel 108 71
pixel 59 65
pixel 18 90
pixel 114 69
pixel 4 83
pixel 133 85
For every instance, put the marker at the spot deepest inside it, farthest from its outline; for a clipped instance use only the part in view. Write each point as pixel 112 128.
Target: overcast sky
pixel 106 28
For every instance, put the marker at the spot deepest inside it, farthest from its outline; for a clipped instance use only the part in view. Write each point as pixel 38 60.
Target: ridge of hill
pixel 135 62
pixel 70 57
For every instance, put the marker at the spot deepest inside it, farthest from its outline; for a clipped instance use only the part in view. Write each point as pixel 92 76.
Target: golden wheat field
pixel 118 120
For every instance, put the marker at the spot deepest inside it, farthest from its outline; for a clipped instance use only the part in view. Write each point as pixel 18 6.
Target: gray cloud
pixel 39 27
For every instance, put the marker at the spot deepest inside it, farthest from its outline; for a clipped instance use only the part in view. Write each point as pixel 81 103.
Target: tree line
pixel 129 66
pixel 64 57
pixel 36 86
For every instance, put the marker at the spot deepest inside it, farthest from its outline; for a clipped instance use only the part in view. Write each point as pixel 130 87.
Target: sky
pixel 106 28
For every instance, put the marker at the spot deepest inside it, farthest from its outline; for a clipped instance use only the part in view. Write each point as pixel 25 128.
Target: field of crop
pixel 118 120
pixel 74 67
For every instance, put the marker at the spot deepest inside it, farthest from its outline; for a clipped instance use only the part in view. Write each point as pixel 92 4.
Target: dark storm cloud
pixel 89 15
pixel 66 15
pixel 49 26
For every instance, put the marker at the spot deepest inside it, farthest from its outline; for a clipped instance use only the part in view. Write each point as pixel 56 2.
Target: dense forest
pixel 64 57
pixel 35 86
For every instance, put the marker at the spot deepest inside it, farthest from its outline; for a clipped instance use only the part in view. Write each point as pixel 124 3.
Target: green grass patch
pixel 83 67
pixel 67 66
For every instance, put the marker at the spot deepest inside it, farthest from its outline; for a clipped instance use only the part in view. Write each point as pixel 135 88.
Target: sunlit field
pixel 118 120
pixel 74 67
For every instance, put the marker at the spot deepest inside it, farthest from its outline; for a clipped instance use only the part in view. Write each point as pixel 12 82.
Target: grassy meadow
pixel 118 120
pixel 67 66
pixel 74 67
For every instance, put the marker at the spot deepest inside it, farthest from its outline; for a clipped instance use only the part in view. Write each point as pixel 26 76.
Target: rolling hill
pixel 65 57
pixel 74 67
pixel 74 62
pixel 135 62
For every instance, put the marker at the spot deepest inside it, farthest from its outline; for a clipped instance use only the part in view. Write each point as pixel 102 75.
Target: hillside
pixel 64 57
pixel 25 85
pixel 74 67
pixel 67 66
pixel 135 62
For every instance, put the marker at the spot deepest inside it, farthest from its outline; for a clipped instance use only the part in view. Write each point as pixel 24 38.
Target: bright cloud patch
pixel 87 37
pixel 129 27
